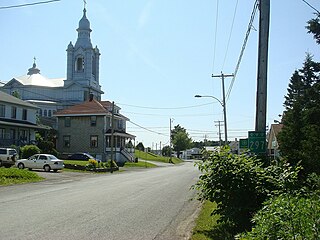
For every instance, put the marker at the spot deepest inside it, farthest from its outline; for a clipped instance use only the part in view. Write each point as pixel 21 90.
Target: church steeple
pixel 83 60
pixel 34 69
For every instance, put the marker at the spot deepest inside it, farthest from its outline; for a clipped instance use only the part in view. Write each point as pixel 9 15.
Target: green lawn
pixel 140 164
pixel 14 176
pixel 205 223
pixel 76 162
pixel 154 157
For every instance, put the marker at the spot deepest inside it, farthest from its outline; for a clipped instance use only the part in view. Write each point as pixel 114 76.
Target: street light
pixel 223 104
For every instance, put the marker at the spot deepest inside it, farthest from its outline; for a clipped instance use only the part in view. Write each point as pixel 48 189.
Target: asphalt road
pixel 144 204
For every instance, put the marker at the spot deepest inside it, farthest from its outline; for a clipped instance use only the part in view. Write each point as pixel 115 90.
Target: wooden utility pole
pixel 222 76
pixel 112 134
pixel 219 125
pixel 261 100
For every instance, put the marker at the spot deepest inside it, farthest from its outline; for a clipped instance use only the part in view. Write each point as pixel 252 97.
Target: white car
pixel 41 161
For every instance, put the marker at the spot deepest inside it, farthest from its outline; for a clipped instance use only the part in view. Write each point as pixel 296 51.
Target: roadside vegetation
pixel 260 198
pixel 10 176
pixel 153 157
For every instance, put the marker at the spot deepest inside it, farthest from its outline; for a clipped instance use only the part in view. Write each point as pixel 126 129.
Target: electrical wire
pixel 29 4
pixel 149 130
pixel 231 30
pixel 163 108
pixel 311 6
pixel 255 8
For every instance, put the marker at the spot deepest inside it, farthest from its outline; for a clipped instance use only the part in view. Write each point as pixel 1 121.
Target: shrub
pixel 287 217
pixel 28 150
pixel 239 184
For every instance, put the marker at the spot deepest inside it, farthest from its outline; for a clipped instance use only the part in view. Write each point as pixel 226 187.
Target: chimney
pixel 90 97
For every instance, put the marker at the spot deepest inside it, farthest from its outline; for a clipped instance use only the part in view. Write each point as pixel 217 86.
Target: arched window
pixel 80 64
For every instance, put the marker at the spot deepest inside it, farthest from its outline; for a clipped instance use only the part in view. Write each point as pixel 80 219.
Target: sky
pixel 156 55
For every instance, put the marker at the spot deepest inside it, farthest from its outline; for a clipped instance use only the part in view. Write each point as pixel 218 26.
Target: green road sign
pixel 243 143
pixel 257 142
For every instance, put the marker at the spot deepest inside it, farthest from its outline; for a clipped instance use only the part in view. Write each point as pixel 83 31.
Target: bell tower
pixel 83 62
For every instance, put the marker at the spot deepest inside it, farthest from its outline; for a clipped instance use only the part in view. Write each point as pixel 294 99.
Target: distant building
pixel 273 144
pixel 18 122
pixel 52 94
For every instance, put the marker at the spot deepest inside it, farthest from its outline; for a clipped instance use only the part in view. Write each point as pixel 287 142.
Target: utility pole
pixel 222 76
pixel 170 160
pixel 219 124
pixel 112 133
pixel 261 101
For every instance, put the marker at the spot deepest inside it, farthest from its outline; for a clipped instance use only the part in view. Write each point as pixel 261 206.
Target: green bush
pixel 28 150
pixel 287 217
pixel 239 184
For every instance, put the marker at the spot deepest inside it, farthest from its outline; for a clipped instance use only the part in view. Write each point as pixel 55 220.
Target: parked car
pixel 8 157
pixel 81 156
pixel 41 161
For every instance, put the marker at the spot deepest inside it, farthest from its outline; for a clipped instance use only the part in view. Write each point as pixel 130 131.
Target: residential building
pixel 273 144
pixel 87 127
pixel 18 121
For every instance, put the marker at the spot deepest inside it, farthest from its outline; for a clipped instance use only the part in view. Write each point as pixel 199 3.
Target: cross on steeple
pixel 34 60
pixel 84 4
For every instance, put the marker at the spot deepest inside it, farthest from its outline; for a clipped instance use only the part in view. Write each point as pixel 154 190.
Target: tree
pixel 180 139
pixel 314 27
pixel 140 146
pixel 166 151
pixel 299 138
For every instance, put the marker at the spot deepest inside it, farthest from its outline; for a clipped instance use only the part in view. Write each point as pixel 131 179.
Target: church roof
pixel 34 78
pixel 39 80
pixel 7 98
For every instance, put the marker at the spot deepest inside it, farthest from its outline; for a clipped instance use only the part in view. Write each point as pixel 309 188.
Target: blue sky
pixel 157 54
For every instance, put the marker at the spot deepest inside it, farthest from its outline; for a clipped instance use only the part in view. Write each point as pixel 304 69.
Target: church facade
pixel 54 94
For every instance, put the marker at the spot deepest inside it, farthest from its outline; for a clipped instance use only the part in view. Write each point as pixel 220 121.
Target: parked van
pixel 8 157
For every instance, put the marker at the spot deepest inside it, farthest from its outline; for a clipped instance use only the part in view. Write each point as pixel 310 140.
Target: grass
pixel 154 157
pixel 205 223
pixel 140 164
pixel 76 162
pixel 10 176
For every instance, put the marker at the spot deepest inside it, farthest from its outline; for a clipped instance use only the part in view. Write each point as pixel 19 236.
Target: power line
pixel 215 36
pixel 149 130
pixel 163 108
pixel 28 4
pixel 255 8
pixel 231 30
pixel 311 6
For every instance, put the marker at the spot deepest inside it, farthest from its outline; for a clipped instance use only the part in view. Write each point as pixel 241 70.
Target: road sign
pixel 243 143
pixel 257 142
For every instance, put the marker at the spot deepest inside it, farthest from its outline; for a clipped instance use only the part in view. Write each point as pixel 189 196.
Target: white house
pixel 18 122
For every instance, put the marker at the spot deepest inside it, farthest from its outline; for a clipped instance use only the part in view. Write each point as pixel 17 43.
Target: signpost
pixel 243 143
pixel 257 142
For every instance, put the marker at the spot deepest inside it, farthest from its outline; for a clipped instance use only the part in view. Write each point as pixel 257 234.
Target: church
pixel 73 105
pixel 82 79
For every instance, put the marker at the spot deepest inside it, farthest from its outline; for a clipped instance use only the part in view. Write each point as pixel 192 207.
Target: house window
pixel 2 133
pixel 24 114
pixel 45 112
pixel 93 141
pixel 2 110
pixel 93 120
pixel 66 141
pixel 67 121
pixel 49 113
pixel 13 112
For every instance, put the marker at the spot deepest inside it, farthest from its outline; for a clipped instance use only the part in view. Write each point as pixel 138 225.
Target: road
pixel 144 204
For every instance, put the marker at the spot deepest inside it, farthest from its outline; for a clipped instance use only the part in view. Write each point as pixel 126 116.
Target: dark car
pixel 80 156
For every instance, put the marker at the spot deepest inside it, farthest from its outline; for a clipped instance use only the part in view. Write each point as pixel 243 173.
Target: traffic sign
pixel 243 143
pixel 257 142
